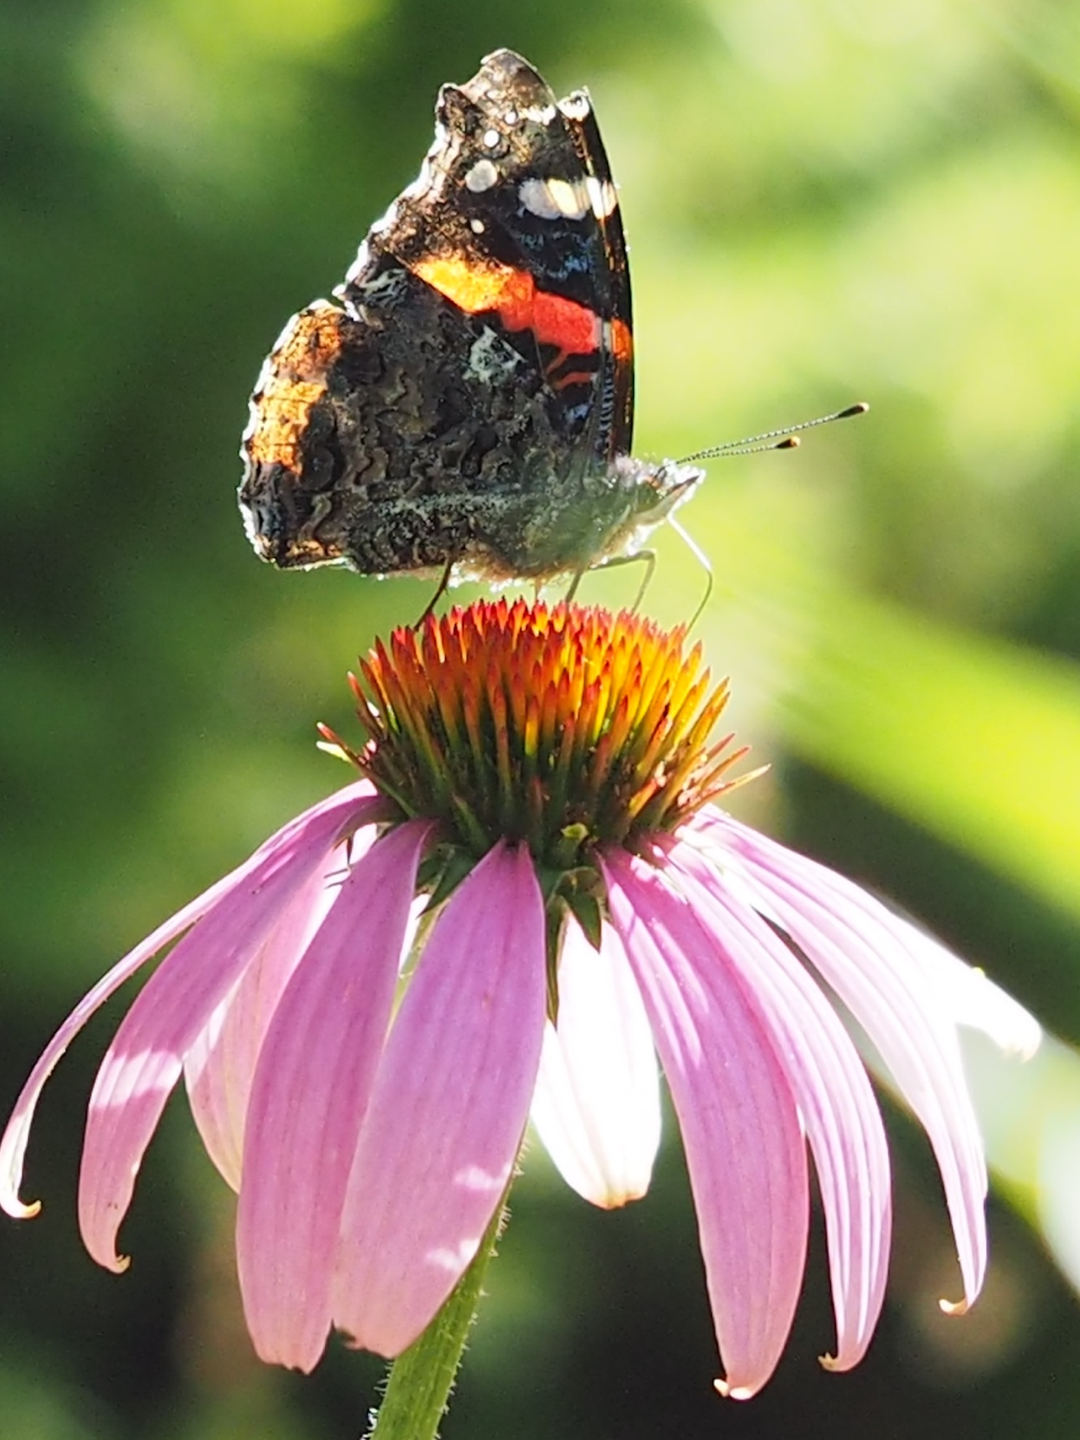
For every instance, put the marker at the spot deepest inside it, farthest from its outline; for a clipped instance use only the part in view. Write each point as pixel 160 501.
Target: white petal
pixel 597 1101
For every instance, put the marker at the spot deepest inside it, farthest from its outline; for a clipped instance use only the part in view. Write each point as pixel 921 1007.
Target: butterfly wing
pixel 480 372
pixel 515 217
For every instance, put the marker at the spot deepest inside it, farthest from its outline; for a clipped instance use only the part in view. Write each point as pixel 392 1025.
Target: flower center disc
pixel 564 728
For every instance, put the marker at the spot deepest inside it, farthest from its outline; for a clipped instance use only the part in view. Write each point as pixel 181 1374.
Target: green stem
pixel 422 1376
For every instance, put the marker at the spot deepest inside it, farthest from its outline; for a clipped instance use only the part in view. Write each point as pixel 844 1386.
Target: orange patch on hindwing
pixel 308 349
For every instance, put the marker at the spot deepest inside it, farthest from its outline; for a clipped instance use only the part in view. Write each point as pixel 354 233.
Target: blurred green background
pixel 825 202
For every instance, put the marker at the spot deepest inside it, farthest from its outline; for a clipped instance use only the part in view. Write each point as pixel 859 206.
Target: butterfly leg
pixel 574 583
pixel 648 559
pixel 440 591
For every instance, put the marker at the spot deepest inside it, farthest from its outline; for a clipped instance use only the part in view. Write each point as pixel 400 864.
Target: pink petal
pixel 220 1065
pixel 744 1147
pixel 312 1084
pixel 143 1063
pixel 13 1144
pixel 597 1101
pixel 871 959
pixel 449 1108
pixel 833 1093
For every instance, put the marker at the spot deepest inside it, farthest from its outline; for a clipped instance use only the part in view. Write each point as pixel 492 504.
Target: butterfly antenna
pixel 768 440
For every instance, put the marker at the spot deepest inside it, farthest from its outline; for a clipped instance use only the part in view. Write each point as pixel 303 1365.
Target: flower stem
pixel 422 1376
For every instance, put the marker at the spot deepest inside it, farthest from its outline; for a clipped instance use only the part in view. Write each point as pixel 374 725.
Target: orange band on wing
pixel 513 295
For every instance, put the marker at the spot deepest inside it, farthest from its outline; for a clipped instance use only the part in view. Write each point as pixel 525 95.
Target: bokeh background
pixel 826 200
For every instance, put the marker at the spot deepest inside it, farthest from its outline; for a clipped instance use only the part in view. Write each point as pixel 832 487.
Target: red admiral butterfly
pixel 468 406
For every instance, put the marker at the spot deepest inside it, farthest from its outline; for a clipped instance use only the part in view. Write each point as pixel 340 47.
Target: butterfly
pixel 465 405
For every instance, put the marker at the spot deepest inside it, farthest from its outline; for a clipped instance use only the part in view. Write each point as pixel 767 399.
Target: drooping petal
pixel 744 1147
pixel 869 958
pixel 295 837
pixel 833 1093
pixel 312 1085
pixel 449 1109
pixel 220 1065
pixel 143 1063
pixel 597 1101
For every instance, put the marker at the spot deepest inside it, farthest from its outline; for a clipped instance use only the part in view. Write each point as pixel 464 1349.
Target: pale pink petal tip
pixel 735 1392
pixel 954 1307
pixel 979 1004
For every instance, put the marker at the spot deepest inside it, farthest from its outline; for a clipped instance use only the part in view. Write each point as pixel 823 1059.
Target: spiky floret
pixel 566 728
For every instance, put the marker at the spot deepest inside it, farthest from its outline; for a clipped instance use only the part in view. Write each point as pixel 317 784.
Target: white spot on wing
pixel 575 106
pixel 555 199
pixel 491 138
pixel 481 176
pixel 476 226
pixel 602 196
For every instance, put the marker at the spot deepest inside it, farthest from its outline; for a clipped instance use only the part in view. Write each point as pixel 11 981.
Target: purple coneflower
pixel 528 897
